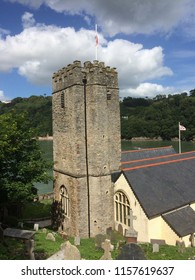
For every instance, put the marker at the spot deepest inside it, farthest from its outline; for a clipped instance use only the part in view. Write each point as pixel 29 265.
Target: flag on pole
pixel 96 40
pixel 181 127
pixel 96 43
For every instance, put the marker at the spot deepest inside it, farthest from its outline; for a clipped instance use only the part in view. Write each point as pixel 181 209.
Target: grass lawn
pixel 12 249
pixel 15 250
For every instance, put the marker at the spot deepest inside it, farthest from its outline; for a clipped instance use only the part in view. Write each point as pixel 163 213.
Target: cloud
pixel 3 32
pixel 134 63
pixel 128 16
pixel 40 50
pixel 2 96
pixel 147 90
pixel 28 20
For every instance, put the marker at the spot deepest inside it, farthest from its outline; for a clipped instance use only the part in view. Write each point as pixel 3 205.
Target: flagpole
pixel 96 43
pixel 179 139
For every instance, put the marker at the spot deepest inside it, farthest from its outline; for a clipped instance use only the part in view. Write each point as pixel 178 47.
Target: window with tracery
pixel 122 208
pixel 64 201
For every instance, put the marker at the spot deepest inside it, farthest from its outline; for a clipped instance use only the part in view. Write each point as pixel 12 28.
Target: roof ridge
pixel 153 158
pixel 157 163
pixel 147 149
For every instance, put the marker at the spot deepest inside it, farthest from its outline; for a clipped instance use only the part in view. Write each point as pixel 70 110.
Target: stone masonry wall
pixel 89 114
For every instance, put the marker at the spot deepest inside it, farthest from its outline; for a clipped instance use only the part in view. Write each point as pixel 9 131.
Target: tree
pixel 21 162
pixel 192 92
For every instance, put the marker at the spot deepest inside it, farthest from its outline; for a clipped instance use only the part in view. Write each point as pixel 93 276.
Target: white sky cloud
pixel 2 96
pixel 147 90
pixel 127 15
pixel 40 50
pixel 3 32
pixel 28 20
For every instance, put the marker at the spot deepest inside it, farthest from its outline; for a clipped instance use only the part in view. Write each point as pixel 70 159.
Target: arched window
pixel 122 208
pixel 64 201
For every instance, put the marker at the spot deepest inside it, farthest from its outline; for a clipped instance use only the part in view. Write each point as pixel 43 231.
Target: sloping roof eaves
pixel 158 159
pixel 182 221
pixel 163 188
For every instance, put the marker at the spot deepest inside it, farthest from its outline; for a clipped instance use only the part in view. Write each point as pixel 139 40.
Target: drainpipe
pixel 86 153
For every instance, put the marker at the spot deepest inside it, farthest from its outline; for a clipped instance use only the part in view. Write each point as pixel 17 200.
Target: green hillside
pixel 140 117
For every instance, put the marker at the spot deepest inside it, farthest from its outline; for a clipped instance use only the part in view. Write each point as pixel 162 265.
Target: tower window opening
pixel 62 100
pixel 108 95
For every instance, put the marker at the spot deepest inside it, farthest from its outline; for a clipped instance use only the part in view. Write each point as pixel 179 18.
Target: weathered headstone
pixel 44 230
pixel 71 252
pixel 50 236
pixel 99 238
pixel 36 227
pixel 181 246
pixel 108 247
pixel 30 248
pixel 77 240
pixel 131 251
pixel 18 233
pixel 155 248
pixel 66 252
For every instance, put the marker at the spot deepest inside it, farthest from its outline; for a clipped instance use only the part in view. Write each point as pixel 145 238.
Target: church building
pixel 149 192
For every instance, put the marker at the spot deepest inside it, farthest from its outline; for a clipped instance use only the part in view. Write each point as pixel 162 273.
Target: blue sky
pixel 150 42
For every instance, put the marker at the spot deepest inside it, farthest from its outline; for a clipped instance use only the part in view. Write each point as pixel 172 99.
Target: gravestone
pixel 155 248
pixel 50 236
pixel 67 252
pixel 158 241
pixel 108 247
pixel 131 234
pixel 131 251
pixel 18 233
pixel 71 252
pixel 44 230
pixel 99 238
pixel 36 227
pixel 181 246
pixel 77 241
pixel 30 248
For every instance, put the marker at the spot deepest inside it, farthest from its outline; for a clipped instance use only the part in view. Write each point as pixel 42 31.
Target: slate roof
pixel 182 221
pixel 163 182
pixel 146 153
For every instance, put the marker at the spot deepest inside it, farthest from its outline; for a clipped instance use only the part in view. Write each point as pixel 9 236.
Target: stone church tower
pixel 86 147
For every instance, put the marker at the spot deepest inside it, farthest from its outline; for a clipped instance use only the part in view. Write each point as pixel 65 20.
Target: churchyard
pixel 45 246
pixel 41 243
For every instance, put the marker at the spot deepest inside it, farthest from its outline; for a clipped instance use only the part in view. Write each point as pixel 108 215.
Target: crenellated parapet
pixel 95 72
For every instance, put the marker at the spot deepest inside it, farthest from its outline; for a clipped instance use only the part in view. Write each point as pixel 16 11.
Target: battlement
pixel 95 73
